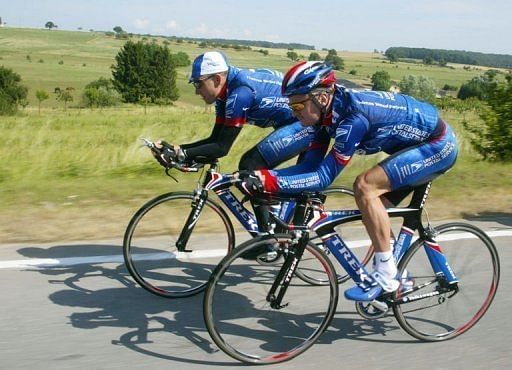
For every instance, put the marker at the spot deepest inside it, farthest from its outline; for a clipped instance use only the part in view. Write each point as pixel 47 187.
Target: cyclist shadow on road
pixel 113 300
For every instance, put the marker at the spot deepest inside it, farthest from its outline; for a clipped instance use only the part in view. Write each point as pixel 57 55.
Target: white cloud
pixel 204 31
pixel 171 25
pixel 141 23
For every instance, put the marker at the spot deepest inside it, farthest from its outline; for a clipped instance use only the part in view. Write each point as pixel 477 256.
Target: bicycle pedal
pixel 381 306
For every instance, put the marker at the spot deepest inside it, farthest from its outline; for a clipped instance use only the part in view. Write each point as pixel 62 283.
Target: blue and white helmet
pixel 207 64
pixel 304 77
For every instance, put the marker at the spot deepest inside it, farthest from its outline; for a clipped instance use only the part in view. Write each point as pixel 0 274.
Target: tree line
pixel 452 56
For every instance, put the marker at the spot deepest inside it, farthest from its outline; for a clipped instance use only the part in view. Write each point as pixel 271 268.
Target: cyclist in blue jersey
pixel 421 146
pixel 242 96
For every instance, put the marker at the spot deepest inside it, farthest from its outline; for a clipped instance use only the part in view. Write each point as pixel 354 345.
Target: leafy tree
pixel 381 81
pixel 50 25
pixel 421 87
pixel 41 95
pixel 292 55
pixel 12 92
pixel 65 96
pixel 494 140
pixel 143 69
pixel 314 56
pixel 478 87
pixel 428 60
pixel 118 29
pixel 334 60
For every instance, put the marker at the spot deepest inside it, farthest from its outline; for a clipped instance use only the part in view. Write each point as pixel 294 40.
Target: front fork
pixel 292 257
pixel 198 202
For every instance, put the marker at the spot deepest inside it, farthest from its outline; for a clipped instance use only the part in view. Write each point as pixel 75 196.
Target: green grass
pixel 81 173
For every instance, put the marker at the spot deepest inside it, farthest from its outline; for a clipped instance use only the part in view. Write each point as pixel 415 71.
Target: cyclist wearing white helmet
pixel 242 96
pixel 421 146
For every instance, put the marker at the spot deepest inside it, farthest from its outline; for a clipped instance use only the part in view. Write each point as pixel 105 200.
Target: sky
pixel 357 25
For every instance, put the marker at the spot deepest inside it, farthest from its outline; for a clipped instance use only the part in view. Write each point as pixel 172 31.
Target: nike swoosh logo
pixel 381 260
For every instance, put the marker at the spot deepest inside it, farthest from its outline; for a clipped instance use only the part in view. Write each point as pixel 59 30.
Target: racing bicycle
pixel 261 313
pixel 173 242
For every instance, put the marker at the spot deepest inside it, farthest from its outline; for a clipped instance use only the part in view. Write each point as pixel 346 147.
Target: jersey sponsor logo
pixel 409 132
pixel 267 102
pixel 274 102
pixel 343 133
pixel 416 166
pixel 383 132
pixel 287 140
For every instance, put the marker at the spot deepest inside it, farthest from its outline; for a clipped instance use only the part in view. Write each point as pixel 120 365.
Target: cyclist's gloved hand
pixel 164 153
pixel 251 183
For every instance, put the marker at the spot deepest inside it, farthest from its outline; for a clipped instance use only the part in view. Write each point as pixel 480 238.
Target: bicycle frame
pixel 220 184
pixel 324 223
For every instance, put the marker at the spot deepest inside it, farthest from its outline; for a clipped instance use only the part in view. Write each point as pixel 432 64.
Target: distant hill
pixel 452 56
pixel 254 43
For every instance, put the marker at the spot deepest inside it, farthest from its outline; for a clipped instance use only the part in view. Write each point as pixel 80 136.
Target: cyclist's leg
pixel 281 145
pixel 285 143
pixel 409 167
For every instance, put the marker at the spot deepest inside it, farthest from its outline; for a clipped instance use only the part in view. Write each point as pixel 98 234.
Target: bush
pixel 12 92
pixel 494 140
pixel 292 55
pixel 421 87
pixel 180 59
pixel 100 93
pixel 314 56
pixel 477 87
pixel 381 81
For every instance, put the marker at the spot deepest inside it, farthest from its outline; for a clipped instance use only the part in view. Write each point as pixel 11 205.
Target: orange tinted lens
pixel 296 107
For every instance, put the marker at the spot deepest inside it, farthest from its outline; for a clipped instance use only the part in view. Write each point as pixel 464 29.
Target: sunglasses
pixel 198 83
pixel 298 106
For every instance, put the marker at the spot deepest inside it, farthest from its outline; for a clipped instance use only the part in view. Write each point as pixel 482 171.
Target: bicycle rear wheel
pixel 150 251
pixel 238 315
pixel 441 311
pixel 339 198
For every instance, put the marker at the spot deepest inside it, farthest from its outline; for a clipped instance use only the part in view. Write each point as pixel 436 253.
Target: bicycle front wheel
pixel 150 252
pixel 435 310
pixel 239 316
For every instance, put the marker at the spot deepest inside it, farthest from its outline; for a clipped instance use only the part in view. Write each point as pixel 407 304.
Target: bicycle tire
pixel 239 317
pixel 149 245
pixel 473 258
pixel 364 253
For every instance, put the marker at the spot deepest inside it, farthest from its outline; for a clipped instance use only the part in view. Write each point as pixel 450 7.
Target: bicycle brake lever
pixel 171 176
pixel 147 143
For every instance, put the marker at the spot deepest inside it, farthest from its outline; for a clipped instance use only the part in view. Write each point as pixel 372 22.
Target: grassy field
pixel 81 174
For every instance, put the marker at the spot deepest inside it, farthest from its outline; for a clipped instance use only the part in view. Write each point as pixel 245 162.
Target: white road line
pixel 211 253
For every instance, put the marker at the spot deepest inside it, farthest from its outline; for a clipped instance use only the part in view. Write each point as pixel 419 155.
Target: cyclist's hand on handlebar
pixel 167 154
pixel 250 182
pixel 164 153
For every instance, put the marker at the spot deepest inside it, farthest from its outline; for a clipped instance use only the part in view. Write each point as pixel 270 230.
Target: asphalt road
pixel 90 314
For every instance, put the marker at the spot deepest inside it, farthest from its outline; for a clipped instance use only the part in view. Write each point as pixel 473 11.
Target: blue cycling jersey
pixel 365 122
pixel 254 97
